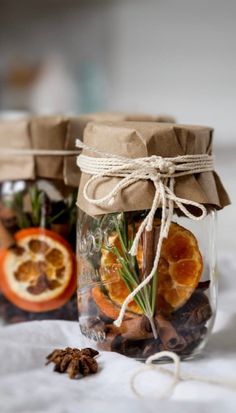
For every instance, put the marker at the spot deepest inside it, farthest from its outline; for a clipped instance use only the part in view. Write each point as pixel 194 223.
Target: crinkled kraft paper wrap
pixel 76 128
pixel 52 133
pixel 141 139
pixel 47 133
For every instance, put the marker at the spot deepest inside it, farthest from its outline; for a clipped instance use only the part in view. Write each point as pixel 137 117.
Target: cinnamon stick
pixel 169 337
pixel 136 328
pixel 149 244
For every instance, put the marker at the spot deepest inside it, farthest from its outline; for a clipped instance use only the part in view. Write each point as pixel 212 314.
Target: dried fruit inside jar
pixel 37 260
pixel 171 313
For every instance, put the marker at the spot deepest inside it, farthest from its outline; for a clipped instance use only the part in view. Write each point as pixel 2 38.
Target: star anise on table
pixel 73 361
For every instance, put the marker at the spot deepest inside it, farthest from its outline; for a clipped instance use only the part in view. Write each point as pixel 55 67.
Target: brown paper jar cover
pixel 33 133
pixel 141 139
pixel 77 125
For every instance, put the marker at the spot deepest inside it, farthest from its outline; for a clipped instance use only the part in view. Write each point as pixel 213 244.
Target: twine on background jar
pixel 36 152
pixel 162 173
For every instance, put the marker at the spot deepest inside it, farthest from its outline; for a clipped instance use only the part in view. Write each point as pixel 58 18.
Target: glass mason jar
pixel 37 250
pixel 174 312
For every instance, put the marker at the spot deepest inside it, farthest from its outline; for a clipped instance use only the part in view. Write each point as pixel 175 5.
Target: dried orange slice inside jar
pixel 179 271
pixel 38 273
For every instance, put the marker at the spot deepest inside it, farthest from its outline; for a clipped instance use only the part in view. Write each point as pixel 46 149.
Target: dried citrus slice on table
pixel 39 273
pixel 179 271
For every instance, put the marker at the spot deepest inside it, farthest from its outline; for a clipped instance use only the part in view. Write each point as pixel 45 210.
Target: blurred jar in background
pixel 37 220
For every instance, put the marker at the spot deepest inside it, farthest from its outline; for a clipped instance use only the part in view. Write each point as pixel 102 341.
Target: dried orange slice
pixel 110 275
pixel 179 271
pixel 39 274
pixel 103 302
pixel 180 266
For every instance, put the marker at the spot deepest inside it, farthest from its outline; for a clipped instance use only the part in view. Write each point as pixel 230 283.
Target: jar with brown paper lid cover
pixel 147 202
pixel 38 187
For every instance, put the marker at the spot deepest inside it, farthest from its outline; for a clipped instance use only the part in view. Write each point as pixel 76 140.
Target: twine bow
pixel 162 173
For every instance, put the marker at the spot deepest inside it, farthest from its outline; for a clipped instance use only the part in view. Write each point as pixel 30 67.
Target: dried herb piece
pixel 73 361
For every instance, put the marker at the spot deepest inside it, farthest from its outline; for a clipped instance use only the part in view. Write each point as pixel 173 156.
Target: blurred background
pixel 176 57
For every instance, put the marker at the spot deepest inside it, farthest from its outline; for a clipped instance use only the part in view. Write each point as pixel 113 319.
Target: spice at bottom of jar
pixel 183 331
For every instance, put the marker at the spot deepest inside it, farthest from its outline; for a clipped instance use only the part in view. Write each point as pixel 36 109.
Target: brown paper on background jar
pixel 49 133
pixel 76 128
pixel 15 134
pixel 141 139
pixel 46 132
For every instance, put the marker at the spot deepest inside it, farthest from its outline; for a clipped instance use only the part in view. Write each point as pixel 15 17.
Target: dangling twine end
pixel 133 250
pixel 79 143
pixel 165 233
pixel 117 322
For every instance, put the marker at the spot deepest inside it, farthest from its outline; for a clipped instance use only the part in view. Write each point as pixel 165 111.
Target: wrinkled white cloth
pixel 27 386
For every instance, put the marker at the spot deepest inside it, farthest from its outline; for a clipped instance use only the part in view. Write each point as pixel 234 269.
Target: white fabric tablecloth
pixel 27 386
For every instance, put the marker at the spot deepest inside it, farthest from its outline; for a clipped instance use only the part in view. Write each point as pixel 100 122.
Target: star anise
pixel 73 361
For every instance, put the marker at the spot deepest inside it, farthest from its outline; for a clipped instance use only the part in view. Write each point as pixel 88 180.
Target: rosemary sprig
pixel 37 199
pixel 17 205
pixel 129 270
pixel 40 211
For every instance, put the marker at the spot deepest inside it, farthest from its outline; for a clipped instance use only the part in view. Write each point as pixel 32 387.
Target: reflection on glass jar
pixel 175 311
pixel 37 243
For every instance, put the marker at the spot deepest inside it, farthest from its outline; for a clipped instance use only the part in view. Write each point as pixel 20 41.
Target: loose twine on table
pixel 162 173
pixel 176 375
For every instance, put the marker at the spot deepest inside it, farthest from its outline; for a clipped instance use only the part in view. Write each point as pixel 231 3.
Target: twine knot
pixel 166 166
